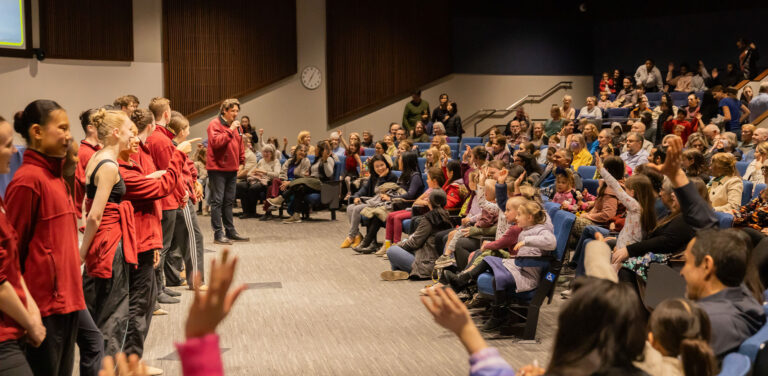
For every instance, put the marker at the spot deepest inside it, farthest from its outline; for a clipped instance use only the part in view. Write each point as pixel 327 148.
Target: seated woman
pixel 695 165
pixel 260 180
pixel 353 167
pixel 415 257
pixel 528 162
pixel 754 215
pixel 590 137
pixel 382 174
pixel 581 156
pixel 754 171
pixel 296 167
pixel 391 149
pixel 726 143
pixel 419 134
pixel 432 158
pixel 536 239
pixel 305 139
pixel 726 187
pixel 380 148
pixel 538 137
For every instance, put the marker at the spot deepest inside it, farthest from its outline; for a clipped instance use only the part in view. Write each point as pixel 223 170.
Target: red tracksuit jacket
pixel 145 195
pixel 225 147
pixel 41 210
pixel 160 146
pixel 84 155
pixel 11 273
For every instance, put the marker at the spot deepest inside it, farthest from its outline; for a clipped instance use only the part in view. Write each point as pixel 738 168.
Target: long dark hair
pixel 374 176
pixel 683 330
pixel 602 317
pixel 410 161
pixel 36 112
pixel 529 163
pixel 294 161
pixel 708 107
pixel 644 195
pixel 455 168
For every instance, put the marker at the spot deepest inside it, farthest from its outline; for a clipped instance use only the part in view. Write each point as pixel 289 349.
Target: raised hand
pixel 211 307
pixel 447 310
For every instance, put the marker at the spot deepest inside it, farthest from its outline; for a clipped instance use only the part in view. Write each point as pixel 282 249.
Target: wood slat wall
pixel 87 29
pixel 217 50
pixel 378 52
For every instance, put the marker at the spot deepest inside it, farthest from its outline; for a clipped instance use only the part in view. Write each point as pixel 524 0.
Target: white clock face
pixel 311 77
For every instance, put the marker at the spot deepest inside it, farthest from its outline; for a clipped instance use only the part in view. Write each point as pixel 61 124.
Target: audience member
pixel 555 123
pixel 453 126
pixel 747 144
pixel 748 56
pixel 419 133
pixel 626 97
pixel 567 111
pixel 413 110
pixel 581 155
pixel 635 154
pixel 606 84
pixel 759 104
pixel 365 197
pixel 695 165
pixel 744 99
pixel 591 111
pixel 516 135
pixel 538 137
pixel 726 187
pixel 649 77
pixel 729 108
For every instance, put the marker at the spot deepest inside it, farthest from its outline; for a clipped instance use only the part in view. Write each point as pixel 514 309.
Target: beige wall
pixel 283 109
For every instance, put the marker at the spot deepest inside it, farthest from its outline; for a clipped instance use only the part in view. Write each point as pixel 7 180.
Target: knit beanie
pixel 437 198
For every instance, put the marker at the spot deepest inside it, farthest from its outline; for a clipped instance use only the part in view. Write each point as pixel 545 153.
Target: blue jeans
pixel 400 259
pixel 586 236
pixel 222 187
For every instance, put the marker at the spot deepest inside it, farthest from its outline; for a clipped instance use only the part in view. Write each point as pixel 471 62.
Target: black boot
pixel 368 241
pixel 459 281
pixel 500 315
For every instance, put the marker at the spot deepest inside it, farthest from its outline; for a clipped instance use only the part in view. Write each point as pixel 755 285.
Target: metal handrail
pixel 485 113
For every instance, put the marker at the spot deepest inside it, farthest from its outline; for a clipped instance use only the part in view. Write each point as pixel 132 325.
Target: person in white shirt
pixel 635 154
pixel 649 76
pixel 591 111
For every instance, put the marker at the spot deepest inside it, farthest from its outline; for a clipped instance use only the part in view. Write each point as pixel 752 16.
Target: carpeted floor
pixel 315 309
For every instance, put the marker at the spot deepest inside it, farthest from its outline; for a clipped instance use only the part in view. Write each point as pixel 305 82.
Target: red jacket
pixel 669 127
pixel 160 146
pixel 190 177
pixel 225 147
pixel 11 273
pixel 117 223
pixel 43 214
pixel 145 195
pixel 84 155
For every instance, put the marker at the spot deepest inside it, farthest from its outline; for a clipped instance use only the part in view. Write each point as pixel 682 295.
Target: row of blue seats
pixel 679 98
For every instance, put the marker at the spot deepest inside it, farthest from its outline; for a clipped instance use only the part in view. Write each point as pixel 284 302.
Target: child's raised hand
pixel 501 178
pixel 519 179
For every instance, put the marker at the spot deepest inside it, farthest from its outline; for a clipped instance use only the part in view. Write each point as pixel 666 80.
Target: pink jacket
pixel 201 356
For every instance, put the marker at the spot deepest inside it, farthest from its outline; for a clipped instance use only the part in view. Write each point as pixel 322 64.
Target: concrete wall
pixel 283 109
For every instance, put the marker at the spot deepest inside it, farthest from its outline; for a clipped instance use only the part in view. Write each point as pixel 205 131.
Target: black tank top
pixel 118 190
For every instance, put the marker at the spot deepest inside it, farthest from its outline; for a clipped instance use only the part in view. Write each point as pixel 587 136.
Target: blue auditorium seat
pixel 724 220
pixel 16 160
pixel 653 97
pixel 311 159
pixel 741 167
pixel 746 194
pixel 679 98
pixel 735 364
pixel 591 185
pixel 369 151
pixel 551 208
pixel 753 344
pixel 618 113
pixel 756 191
pixel 472 140
pixel 423 146
pixel 587 172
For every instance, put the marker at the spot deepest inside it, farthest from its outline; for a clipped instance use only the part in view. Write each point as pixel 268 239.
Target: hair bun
pixel 97 118
pixel 18 123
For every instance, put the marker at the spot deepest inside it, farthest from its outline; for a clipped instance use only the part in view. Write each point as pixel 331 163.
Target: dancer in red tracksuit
pixel 144 187
pixel 109 244
pixel 19 315
pixel 43 214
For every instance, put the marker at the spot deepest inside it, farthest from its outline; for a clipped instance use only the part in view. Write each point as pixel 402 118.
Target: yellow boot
pixel 383 250
pixel 347 242
pixel 358 240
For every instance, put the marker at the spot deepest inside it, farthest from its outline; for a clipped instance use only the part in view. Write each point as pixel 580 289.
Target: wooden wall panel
pixel 214 50
pixel 378 52
pixel 87 29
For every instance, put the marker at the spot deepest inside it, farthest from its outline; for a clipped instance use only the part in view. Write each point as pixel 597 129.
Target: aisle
pixel 316 309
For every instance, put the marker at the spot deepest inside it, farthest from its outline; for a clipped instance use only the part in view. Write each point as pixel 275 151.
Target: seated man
pixel 336 148
pixel 562 160
pixel 639 128
pixel 635 154
pixel 715 266
pixel 747 144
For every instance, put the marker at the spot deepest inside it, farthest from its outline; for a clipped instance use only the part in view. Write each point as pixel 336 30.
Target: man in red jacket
pixel 225 155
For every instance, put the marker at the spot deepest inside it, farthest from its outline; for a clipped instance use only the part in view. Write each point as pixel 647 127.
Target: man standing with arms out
pixel 413 110
pixel 649 77
pixel 225 155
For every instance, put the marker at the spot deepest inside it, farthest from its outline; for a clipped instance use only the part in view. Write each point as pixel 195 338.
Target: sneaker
pixel 165 299
pixel 159 312
pixel 237 238
pixel 445 261
pixel 394 275
pixel 276 201
pixel 295 218
pixel 152 371
pixel 566 294
pixel 170 292
pixel 267 216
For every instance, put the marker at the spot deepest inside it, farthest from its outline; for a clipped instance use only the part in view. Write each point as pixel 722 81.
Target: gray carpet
pixel 315 309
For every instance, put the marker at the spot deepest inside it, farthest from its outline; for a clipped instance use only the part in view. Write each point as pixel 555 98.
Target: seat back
pixel 653 97
pixel 735 364
pixel 369 151
pixel 746 194
pixel 562 222
pixel 679 98
pixel 591 185
pixel 618 112
pixel 757 189
pixel 741 167
pixel 551 208
pixel 423 146
pixel 472 140
pixel 587 172
pixel 724 220
pixel 752 345
pixel 397 173
pixel 311 159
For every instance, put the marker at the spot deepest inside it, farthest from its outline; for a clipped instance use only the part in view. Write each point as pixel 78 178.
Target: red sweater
pixel 43 214
pixel 160 146
pixel 670 126
pixel 144 194
pixel 84 155
pixel 10 272
pixel 117 224
pixel 225 147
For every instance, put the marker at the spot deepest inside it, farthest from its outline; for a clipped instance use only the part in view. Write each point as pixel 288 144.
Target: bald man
pixel 711 131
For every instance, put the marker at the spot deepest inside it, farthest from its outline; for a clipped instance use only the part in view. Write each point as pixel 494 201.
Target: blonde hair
pixel 106 121
pixel 727 162
pixel 762 148
pixel 227 105
pixel 748 127
pixel 302 136
pixel 435 159
pixel 355 134
pixel 178 122
pixel 535 210
pixel 158 105
pixel 445 148
pixel 516 202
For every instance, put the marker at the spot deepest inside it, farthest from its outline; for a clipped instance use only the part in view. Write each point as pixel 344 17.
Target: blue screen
pixel 12 24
